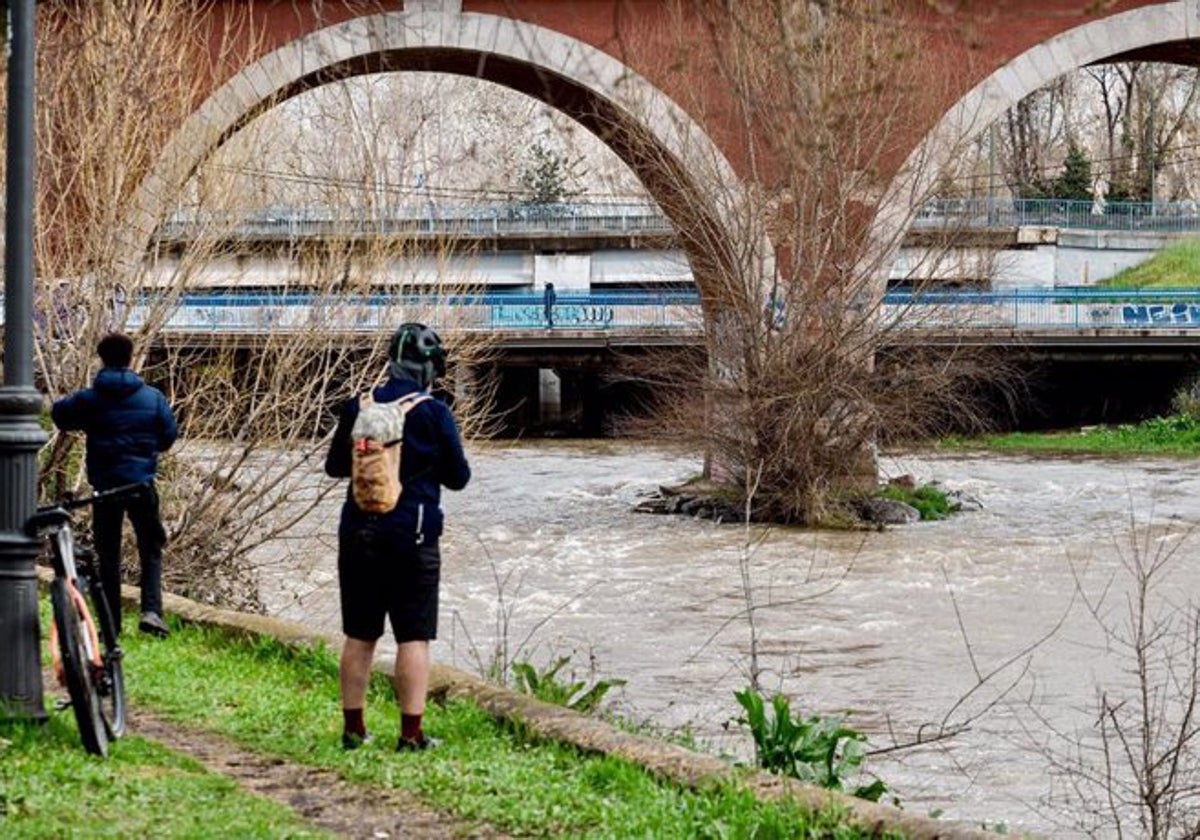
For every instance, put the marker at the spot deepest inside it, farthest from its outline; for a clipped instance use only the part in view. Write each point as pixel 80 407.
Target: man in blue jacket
pixel 389 564
pixel 127 424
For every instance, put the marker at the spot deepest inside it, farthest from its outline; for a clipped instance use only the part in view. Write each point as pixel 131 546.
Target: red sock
pixel 410 727
pixel 352 722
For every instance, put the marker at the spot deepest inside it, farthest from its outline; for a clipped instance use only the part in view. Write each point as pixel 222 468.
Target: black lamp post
pixel 20 435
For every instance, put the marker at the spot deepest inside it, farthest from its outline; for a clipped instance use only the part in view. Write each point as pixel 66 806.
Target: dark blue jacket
pixel 127 423
pixel 432 457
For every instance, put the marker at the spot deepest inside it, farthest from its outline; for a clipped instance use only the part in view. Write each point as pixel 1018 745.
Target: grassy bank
pixel 49 787
pixel 1176 436
pixel 283 701
pixel 1176 266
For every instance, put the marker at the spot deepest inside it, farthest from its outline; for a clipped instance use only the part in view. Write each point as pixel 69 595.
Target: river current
pixel 895 630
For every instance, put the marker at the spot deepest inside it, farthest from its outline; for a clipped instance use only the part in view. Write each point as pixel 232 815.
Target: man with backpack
pixel 388 558
pixel 127 423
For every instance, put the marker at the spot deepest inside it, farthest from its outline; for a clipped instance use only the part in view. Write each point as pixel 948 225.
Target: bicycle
pixel 86 653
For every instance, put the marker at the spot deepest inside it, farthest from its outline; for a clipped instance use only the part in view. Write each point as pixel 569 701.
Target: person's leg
pixel 355 671
pixel 411 680
pixel 106 540
pixel 414 620
pixel 354 674
pixel 147 527
pixel 363 610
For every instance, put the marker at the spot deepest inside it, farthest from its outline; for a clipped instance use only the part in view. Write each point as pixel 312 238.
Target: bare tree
pixel 1135 772
pixel 789 266
pixel 1136 121
pixel 254 399
pixel 1034 129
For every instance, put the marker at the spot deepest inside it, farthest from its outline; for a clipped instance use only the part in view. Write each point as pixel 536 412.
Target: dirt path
pixel 320 797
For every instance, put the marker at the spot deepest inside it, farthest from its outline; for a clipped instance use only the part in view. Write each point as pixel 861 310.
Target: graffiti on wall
pixel 1161 314
pixel 589 315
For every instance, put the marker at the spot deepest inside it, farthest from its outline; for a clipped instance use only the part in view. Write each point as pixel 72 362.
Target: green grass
pixel 1176 266
pixel 49 787
pixel 284 701
pixel 1178 435
pixel 931 502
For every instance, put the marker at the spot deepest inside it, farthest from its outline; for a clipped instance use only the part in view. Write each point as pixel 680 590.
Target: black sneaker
pixel 152 623
pixel 352 740
pixel 417 744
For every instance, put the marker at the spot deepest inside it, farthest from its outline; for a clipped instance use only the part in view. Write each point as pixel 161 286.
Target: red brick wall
pixel 969 38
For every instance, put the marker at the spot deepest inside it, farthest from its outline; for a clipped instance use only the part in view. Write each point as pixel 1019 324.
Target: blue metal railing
pixel 1103 311
pixel 1158 217
pixel 301 311
pixel 1068 308
pixel 1089 311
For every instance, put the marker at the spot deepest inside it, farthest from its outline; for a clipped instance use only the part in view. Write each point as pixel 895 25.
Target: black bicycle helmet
pixel 417 351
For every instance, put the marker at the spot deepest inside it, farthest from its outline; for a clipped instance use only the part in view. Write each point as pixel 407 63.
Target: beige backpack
pixel 376 442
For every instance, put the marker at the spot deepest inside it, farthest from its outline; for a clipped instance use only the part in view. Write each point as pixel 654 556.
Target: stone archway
pixel 662 144
pixel 1124 36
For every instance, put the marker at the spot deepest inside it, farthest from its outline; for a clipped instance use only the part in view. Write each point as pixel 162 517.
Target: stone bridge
pixel 601 62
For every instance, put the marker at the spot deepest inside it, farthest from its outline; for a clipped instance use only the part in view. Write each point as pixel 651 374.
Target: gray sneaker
pixel 152 623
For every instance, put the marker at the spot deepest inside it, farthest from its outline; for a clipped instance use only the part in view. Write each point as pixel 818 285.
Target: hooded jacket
pixel 127 423
pixel 432 458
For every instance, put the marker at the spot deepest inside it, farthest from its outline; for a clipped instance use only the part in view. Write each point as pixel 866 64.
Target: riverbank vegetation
pixel 1177 434
pixel 283 701
pixel 1177 266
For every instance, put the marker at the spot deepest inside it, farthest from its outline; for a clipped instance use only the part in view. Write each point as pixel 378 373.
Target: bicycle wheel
pixel 77 669
pixel 109 680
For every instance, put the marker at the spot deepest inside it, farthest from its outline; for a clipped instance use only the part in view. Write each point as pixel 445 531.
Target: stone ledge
pixel 666 761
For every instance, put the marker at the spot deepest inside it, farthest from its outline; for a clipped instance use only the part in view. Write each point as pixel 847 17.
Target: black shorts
pixel 380 574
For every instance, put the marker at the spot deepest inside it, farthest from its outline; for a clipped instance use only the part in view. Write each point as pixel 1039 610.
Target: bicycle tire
pixel 111 680
pixel 77 670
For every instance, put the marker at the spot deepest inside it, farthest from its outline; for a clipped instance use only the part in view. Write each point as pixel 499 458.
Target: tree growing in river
pixel 805 373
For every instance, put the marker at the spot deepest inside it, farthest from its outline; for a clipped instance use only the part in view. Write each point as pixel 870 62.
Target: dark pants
pixel 106 536
pixel 383 574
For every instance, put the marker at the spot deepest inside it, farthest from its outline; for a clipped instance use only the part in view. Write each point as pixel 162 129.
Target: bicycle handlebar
pixel 57 513
pixel 113 493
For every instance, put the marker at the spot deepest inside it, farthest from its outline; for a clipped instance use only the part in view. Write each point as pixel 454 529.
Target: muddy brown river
pixel 991 622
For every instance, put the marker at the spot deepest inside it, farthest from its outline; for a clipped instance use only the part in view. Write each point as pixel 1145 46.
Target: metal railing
pixel 582 219
pixel 304 311
pixel 470 220
pixel 1080 309
pixel 1086 311
pixel 971 213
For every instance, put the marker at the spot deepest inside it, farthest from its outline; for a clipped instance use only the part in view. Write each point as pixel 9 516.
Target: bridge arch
pixel 1148 33
pixel 668 151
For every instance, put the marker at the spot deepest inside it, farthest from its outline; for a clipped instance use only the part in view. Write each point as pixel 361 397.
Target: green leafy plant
pixel 931 502
pixel 819 750
pixel 546 685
